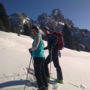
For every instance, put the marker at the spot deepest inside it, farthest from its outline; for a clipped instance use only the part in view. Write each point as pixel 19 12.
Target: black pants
pixel 53 57
pixel 40 71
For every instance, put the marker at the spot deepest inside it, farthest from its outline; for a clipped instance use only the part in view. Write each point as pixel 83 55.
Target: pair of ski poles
pixel 27 71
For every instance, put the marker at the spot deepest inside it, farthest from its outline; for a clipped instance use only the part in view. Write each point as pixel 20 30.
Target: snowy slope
pixel 14 58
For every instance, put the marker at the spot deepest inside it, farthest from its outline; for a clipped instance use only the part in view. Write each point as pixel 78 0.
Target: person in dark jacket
pixel 53 55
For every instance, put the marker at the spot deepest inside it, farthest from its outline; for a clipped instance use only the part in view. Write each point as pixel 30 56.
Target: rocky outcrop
pixel 20 23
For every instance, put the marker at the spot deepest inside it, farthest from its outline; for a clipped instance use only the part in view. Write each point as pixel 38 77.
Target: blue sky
pixel 76 10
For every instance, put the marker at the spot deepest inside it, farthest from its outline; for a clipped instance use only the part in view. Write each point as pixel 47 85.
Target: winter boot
pixel 59 81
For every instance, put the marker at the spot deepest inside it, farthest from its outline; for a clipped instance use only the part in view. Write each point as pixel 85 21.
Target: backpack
pixel 60 42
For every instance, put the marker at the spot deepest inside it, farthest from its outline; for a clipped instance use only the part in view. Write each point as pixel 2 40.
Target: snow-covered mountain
pixel 21 23
pixel 14 58
pixel 78 39
pixel 55 20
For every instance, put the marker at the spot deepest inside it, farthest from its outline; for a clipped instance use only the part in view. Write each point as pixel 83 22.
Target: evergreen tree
pixel 67 37
pixel 4 18
pixel 27 30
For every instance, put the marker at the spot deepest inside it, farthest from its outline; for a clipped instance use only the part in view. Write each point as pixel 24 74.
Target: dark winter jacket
pixel 51 42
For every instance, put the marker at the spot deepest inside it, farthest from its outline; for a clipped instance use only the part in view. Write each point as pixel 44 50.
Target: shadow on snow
pixel 13 83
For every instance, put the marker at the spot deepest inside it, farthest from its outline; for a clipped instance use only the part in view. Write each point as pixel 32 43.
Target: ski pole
pixel 50 60
pixel 27 72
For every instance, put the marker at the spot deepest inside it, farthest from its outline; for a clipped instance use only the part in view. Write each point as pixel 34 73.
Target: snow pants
pixel 40 72
pixel 53 57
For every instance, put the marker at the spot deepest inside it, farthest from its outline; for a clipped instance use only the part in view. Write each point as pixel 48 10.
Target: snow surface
pixel 14 58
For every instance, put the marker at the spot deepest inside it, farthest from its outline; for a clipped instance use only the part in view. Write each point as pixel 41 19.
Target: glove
pixel 30 51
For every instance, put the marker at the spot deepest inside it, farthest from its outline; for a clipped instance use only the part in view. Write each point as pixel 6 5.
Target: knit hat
pixel 46 28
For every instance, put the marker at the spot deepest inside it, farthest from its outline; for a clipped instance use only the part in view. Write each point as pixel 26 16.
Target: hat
pixel 36 28
pixel 46 28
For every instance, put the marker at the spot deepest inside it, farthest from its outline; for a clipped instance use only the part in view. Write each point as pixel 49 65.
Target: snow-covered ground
pixel 14 58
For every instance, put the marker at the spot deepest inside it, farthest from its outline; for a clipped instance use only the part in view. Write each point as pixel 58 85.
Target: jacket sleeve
pixel 37 41
pixel 52 41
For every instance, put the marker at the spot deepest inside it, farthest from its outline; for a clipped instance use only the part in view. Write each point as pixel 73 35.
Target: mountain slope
pixel 14 58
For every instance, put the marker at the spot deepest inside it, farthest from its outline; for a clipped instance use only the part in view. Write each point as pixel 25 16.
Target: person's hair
pixel 35 28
